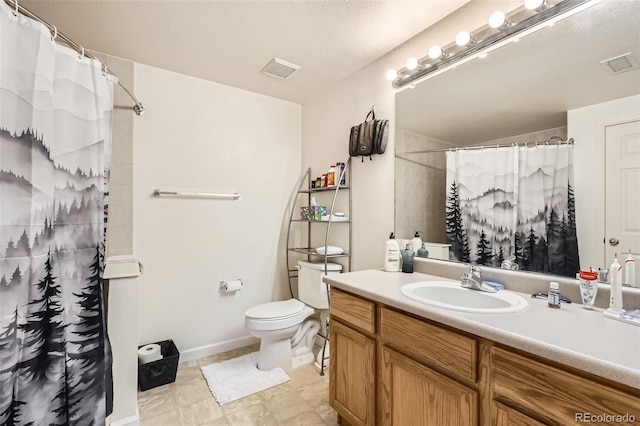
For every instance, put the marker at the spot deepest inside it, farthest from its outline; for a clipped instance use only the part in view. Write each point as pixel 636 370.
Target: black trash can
pixel 161 372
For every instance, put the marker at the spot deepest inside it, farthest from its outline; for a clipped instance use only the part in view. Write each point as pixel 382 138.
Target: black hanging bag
pixel 369 137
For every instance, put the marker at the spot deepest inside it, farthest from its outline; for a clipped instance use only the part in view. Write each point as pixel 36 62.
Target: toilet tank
pixel 311 289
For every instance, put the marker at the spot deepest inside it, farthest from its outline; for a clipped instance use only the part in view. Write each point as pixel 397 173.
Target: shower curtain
pixel 55 143
pixel 513 204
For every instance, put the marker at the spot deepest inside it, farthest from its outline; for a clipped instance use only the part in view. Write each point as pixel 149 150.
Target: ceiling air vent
pixel 279 69
pixel 620 63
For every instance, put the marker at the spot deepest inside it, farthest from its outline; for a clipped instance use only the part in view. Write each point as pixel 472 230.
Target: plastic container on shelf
pixel 331 176
pixel 340 174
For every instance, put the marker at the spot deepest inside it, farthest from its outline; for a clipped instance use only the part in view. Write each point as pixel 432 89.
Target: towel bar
pixel 233 196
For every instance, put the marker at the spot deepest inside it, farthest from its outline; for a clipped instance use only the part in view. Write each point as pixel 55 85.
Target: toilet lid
pixel 273 310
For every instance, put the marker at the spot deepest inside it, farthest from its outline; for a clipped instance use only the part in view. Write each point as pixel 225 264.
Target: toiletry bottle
pixel 407 259
pixel 324 180
pixel 422 251
pixel 630 270
pixel 416 242
pixel 554 295
pixel 340 174
pixel 588 287
pixel 331 175
pixel 391 255
pixel 615 274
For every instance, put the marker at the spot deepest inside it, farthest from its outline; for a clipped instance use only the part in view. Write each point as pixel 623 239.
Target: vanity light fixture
pixel 502 29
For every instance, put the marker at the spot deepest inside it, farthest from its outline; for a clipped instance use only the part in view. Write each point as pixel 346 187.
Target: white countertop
pixel 572 335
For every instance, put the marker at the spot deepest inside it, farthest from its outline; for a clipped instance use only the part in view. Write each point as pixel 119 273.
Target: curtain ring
pixel 16 12
pixel 55 33
pixel 81 55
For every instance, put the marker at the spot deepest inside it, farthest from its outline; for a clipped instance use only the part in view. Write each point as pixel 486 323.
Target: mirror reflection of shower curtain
pixel 55 144
pixel 513 202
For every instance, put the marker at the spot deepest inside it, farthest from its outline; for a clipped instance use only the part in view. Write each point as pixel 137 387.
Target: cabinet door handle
pixel 614 241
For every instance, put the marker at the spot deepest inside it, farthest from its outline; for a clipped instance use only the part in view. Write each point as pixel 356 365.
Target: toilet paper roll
pixel 149 353
pixel 231 286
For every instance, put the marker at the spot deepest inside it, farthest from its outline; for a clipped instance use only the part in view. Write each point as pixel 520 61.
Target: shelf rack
pixel 305 188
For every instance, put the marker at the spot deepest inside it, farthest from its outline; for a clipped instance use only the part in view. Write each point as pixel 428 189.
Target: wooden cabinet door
pixel 506 416
pixel 352 375
pixel 411 394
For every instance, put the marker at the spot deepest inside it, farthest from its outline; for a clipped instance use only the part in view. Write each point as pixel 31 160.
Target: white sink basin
pixel 450 295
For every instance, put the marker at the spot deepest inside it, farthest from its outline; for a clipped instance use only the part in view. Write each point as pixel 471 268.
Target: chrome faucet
pixel 473 279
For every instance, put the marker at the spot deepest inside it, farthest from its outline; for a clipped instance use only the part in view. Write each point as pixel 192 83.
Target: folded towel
pixel 497 286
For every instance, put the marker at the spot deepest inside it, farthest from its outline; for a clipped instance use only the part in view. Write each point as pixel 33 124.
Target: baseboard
pixel 127 421
pixel 216 348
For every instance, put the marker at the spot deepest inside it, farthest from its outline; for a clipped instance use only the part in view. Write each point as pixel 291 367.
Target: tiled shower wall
pixel 420 183
pixel 120 225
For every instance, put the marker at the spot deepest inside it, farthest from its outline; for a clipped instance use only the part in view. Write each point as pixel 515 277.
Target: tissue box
pixel 313 212
pixel 161 372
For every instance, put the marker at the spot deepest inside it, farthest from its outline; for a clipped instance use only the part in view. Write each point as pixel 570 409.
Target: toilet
pixel 284 328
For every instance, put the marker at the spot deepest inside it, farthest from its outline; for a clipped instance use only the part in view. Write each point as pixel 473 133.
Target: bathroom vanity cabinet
pixel 352 371
pixel 389 367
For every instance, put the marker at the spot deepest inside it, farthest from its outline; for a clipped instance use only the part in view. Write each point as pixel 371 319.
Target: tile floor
pixel 302 401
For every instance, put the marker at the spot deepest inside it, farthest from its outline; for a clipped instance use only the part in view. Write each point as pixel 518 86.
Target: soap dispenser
pixel 416 243
pixel 422 251
pixel 407 259
pixel 392 254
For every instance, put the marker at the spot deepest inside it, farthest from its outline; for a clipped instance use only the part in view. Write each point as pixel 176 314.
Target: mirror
pixel 523 92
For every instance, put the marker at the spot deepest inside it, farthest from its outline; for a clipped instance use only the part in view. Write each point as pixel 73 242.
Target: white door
pixel 622 189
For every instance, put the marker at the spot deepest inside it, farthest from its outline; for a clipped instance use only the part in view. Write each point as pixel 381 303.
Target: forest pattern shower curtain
pixel 55 143
pixel 513 203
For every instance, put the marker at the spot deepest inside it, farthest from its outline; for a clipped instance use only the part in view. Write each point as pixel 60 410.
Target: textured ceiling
pixel 230 41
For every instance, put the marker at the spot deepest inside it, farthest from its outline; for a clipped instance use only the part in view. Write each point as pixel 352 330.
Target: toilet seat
pixel 275 310
pixel 276 315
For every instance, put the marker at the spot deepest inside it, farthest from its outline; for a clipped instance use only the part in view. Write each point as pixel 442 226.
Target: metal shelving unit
pixel 304 188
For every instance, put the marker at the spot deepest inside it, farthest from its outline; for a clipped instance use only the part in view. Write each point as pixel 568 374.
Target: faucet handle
pixel 473 268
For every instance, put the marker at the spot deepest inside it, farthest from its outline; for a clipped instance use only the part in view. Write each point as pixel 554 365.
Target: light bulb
pixel 392 75
pixel 435 52
pixel 536 5
pixel 497 20
pixel 412 64
pixel 464 38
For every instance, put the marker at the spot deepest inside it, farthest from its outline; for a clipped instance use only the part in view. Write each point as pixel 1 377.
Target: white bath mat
pixel 239 377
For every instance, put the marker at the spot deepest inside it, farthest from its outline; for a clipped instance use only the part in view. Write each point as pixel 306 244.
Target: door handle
pixel 614 241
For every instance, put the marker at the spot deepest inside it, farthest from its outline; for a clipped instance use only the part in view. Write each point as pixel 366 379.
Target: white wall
pixel 201 136
pixel 587 126
pixel 327 119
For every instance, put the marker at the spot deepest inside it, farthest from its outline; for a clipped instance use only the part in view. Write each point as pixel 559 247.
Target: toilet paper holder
pixel 231 286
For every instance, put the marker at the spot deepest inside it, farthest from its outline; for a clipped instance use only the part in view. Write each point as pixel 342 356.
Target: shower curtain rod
pixel 137 107
pixel 553 140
